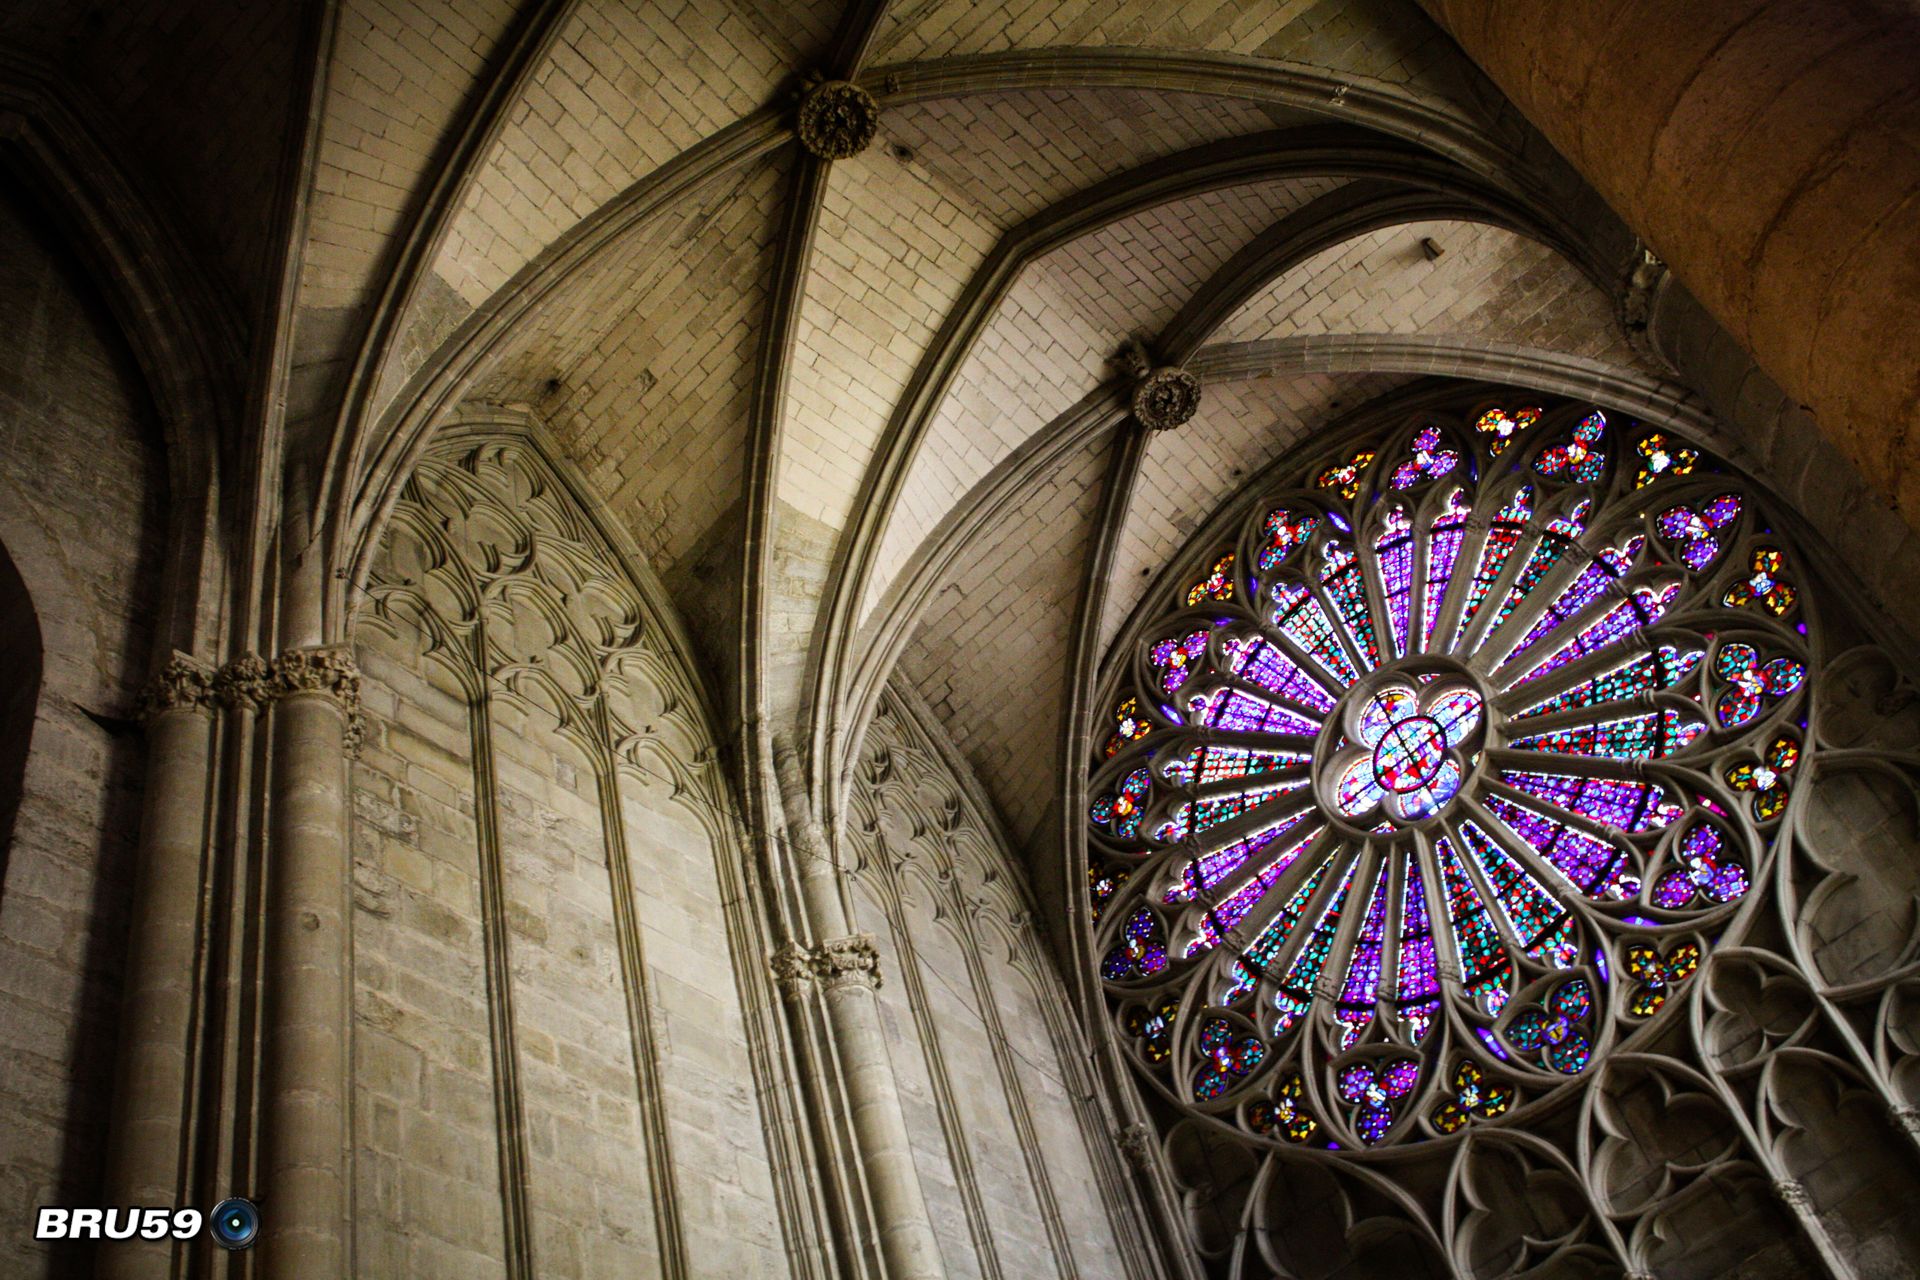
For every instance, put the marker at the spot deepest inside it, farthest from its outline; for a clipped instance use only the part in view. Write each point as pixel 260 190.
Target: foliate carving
pixel 1136 1144
pixel 182 685
pixel 837 962
pixel 837 119
pixel 328 670
pixel 246 682
pixel 840 962
pixel 1164 397
pixel 792 967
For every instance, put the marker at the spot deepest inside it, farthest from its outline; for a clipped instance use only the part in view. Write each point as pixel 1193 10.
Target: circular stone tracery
pixel 1401 746
pixel 1443 776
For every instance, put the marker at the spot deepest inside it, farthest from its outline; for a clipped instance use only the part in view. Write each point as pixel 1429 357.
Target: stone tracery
pixel 1444 782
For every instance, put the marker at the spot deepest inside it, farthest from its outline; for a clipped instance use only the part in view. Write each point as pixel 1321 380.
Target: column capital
pixel 838 962
pixel 848 961
pixel 326 670
pixel 183 684
pixel 792 967
pixel 244 684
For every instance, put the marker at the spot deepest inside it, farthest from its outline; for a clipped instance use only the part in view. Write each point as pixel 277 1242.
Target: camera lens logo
pixel 234 1223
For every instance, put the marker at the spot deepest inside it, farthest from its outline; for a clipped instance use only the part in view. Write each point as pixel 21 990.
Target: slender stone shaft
pixel 847 968
pixel 147 1150
pixel 303 1122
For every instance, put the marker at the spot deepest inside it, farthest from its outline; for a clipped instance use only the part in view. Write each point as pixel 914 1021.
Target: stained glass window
pixel 1484 740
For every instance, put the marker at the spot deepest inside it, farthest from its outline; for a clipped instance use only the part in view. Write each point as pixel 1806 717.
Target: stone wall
pixel 1016 1159
pixel 553 1054
pixel 81 489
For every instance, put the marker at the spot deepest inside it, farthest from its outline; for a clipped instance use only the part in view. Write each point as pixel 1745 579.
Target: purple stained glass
pixel 1444 536
pixel 1302 620
pixel 1594 867
pixel 1631 806
pixel 1393 549
pixel 1411 737
pixel 1255 660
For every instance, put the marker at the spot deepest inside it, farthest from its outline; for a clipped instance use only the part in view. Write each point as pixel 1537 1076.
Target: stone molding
pixel 838 962
pixel 837 119
pixel 184 684
pixel 1164 397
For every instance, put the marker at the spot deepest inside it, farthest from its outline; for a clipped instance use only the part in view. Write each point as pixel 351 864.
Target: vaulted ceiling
pixel 892 375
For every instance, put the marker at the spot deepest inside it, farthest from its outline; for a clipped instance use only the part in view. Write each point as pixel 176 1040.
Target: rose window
pixel 1443 776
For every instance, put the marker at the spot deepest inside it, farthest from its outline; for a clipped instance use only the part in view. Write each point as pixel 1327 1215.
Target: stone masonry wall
pixel 81 487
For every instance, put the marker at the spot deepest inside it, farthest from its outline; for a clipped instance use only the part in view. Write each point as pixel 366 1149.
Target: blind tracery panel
pixel 1436 785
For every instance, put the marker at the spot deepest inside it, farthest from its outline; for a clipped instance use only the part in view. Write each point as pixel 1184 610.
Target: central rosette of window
pixel 1401 746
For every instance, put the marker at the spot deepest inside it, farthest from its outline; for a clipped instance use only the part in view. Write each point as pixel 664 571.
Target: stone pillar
pixel 147 1149
pixel 306 1043
pixel 846 967
pixel 1764 150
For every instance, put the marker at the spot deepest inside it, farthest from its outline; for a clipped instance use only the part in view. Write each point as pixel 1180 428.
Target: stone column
pixel 146 1150
pixel 1764 151
pixel 305 1041
pixel 846 968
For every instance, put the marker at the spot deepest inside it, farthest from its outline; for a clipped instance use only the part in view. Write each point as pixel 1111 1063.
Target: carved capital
pixel 182 685
pixel 1907 1116
pixel 1794 1195
pixel 1164 397
pixel 792 967
pixel 246 682
pixel 841 962
pixel 837 119
pixel 329 671
pixel 1136 1144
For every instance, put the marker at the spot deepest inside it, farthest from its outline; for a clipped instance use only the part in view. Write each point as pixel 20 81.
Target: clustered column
pixel 145 1161
pixel 845 967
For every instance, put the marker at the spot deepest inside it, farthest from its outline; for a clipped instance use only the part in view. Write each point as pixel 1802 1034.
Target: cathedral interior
pixel 904 639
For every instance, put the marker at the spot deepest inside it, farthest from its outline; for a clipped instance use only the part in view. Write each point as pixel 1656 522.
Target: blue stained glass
pixel 1417 984
pixel 1529 907
pixel 1630 806
pixel 1449 685
pixel 1647 736
pixel 1296 988
pixel 1484 963
pixel 1362 986
pixel 1254 660
pixel 1444 536
pixel 1394 550
pixel 1554 545
pixel 1273 937
pixel 1210 868
pixel 1346 586
pixel 1302 620
pixel 1221 919
pixel 1249 713
pixel 1508 524
pixel 1645 607
pixel 1596 868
